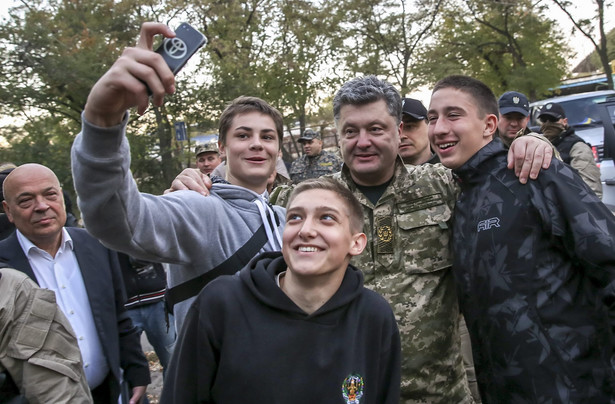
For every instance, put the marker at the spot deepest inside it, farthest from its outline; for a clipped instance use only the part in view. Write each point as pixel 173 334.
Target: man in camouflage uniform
pixel 315 161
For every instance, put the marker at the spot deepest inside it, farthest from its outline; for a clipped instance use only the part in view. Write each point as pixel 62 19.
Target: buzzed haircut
pixel 243 105
pixel 355 210
pixel 479 91
pixel 366 90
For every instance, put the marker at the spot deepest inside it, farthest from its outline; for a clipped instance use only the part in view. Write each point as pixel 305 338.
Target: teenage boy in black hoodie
pixel 296 326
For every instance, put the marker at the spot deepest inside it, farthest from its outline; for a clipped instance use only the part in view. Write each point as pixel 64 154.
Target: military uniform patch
pixel 384 230
pixel 352 389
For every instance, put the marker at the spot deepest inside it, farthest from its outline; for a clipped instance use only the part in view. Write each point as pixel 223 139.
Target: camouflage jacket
pixel 407 260
pixel 306 167
pixel 535 268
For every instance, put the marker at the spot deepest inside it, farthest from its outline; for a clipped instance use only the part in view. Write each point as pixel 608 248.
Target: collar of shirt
pixel 28 247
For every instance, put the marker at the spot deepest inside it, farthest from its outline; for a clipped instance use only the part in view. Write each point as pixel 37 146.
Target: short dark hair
pixel 242 105
pixel 365 90
pixel 355 210
pixel 479 91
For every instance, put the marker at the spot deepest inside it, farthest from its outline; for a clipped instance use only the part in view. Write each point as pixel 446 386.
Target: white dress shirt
pixel 62 275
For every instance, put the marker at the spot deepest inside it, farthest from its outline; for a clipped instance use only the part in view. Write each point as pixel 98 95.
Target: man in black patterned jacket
pixel 534 264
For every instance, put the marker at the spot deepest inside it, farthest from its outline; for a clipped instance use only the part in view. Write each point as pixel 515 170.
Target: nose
pixel 437 126
pixel 41 204
pixel 363 140
pixel 256 142
pixel 307 229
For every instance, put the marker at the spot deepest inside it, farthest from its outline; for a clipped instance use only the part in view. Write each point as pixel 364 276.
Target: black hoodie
pixel 245 341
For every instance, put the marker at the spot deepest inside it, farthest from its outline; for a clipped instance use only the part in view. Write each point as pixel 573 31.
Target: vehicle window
pixel 582 111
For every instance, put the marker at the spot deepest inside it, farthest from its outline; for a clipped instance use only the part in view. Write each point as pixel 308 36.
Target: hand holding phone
pixel 176 51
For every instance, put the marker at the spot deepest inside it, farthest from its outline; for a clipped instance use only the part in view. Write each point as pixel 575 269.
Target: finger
pixel 151 29
pixel 537 161
pixel 517 153
pixel 137 393
pixel 510 161
pixel 150 72
pixel 548 157
pixel 523 161
pixel 178 185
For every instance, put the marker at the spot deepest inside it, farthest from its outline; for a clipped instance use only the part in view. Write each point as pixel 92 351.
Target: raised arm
pixel 161 229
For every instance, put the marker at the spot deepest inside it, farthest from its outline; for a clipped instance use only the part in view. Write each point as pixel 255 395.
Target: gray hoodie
pixel 182 227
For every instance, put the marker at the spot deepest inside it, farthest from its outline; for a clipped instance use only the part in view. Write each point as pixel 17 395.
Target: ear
pixel 221 148
pixel 359 241
pixel 7 211
pixel 399 132
pixel 491 125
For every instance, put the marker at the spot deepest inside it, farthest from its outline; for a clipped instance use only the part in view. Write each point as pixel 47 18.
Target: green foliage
pixel 508 45
pixel 588 27
pixel 292 53
pixel 54 51
pixel 385 37
pixel 45 140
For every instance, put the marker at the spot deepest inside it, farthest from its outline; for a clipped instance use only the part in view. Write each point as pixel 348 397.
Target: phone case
pixel 176 51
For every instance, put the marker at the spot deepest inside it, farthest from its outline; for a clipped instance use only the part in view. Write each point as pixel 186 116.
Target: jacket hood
pixel 259 276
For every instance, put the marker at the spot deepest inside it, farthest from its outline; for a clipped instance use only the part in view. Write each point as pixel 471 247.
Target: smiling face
pixel 251 148
pixel 318 240
pixel 456 129
pixel 414 147
pixel 34 203
pixel 369 142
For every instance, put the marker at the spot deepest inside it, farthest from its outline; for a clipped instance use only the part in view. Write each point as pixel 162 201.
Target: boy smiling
pixel 534 264
pixel 296 326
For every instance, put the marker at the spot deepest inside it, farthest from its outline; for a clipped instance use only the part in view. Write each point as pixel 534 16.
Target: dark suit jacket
pixel 103 281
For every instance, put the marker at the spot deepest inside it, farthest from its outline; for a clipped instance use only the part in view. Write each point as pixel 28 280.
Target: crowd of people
pixel 442 256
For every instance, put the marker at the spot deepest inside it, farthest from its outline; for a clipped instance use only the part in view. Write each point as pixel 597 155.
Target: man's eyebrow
pixel 243 128
pixel 447 109
pixel 22 194
pixel 250 129
pixel 30 193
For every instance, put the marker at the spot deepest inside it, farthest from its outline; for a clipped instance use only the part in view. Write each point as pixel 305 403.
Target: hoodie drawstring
pixel 268 217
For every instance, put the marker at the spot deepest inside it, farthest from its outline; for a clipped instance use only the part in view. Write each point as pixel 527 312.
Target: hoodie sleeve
pixel 165 228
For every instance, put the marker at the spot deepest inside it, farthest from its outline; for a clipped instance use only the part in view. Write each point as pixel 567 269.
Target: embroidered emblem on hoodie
pixel 352 389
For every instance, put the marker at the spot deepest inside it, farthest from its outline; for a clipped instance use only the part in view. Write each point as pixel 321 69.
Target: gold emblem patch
pixel 384 231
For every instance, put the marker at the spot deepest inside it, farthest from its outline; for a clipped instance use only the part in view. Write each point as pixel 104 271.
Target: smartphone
pixel 176 51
